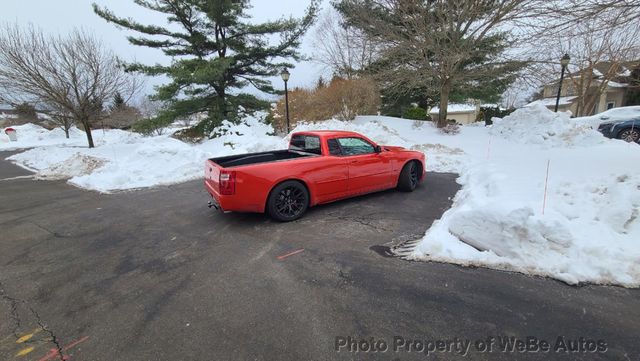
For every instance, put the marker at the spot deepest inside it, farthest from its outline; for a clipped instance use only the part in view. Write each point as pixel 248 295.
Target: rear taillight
pixel 227 183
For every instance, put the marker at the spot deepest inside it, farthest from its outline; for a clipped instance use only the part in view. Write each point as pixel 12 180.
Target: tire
pixel 288 201
pixel 630 135
pixel 409 177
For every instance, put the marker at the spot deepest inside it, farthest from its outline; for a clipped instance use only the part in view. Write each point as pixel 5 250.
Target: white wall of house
pixel 461 113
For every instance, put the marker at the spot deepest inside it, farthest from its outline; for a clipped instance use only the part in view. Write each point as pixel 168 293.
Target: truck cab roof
pixel 330 133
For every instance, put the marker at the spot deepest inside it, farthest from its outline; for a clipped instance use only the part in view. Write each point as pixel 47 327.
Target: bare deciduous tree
pixel 598 54
pixel 590 48
pixel 122 117
pixel 73 74
pixel 61 118
pixel 342 99
pixel 340 47
pixel 149 108
pixel 352 97
pixel 560 15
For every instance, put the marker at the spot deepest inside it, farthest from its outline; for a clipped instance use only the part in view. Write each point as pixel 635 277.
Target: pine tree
pixel 216 53
pixel 118 102
pixel 448 49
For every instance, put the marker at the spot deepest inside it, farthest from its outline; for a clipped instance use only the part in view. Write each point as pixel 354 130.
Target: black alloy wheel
pixel 414 176
pixel 288 201
pixel 409 177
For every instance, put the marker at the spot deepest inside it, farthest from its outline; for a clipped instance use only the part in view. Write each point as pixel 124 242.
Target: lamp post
pixel 564 61
pixel 285 76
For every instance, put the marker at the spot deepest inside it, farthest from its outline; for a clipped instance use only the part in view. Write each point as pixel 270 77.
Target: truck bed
pixel 262 157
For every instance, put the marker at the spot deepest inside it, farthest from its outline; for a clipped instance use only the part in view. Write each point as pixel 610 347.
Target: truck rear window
pixel 305 143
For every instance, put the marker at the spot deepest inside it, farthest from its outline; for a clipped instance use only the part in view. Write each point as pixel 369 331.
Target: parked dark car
pixel 628 130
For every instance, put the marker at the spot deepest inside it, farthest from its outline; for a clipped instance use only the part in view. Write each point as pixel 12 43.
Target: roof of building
pixel 551 101
pixel 605 67
pixel 459 108
pixel 619 72
pixel 453 108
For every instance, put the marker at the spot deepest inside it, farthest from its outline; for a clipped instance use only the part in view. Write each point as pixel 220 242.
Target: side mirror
pixel 377 149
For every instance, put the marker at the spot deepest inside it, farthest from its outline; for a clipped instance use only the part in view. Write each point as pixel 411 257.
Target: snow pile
pixel 75 166
pixel 124 160
pixel 442 158
pixel 590 227
pixel 251 135
pixel 588 233
pixel 376 131
pixel 142 164
pixel 31 135
pixel 538 125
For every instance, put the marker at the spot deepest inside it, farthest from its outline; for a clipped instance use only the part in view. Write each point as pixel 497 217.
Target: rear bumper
pixel 217 200
pixel 230 203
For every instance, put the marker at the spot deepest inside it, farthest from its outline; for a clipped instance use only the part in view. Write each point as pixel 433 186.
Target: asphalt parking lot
pixel 156 275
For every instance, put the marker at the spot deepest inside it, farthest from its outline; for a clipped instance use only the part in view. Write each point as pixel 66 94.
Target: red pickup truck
pixel 319 167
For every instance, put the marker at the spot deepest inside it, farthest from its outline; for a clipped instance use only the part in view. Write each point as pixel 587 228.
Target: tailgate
pixel 212 175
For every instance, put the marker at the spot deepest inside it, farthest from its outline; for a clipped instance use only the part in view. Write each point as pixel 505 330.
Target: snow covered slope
pixel 124 160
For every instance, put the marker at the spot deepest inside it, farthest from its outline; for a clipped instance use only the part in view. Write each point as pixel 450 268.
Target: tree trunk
pixel 579 107
pixel 445 89
pixel 222 105
pixel 87 130
pixel 66 132
pixel 216 111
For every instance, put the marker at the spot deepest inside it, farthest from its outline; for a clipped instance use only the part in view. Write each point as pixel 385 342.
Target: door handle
pixel 354 161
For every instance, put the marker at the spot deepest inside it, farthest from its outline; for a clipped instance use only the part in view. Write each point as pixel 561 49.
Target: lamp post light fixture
pixel 564 61
pixel 285 76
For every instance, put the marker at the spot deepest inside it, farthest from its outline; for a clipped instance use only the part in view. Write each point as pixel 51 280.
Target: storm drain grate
pixel 402 250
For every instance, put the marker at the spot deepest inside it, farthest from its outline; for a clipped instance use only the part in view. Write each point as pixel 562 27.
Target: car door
pixel 368 170
pixel 330 174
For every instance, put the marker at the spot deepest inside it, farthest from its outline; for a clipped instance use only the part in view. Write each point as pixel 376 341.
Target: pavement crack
pixel 54 338
pixel 55 234
pixel 362 221
pixel 15 316
pixel 13 304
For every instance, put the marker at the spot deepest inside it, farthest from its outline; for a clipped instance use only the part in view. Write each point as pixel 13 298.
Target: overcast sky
pixel 60 16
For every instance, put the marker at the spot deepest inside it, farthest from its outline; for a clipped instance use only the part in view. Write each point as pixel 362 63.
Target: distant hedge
pixel 415 113
pixel 487 113
pixel 151 126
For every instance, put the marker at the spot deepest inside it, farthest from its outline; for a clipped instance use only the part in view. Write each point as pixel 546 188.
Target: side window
pixel 312 144
pixel 334 147
pixel 355 146
pixel 305 143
